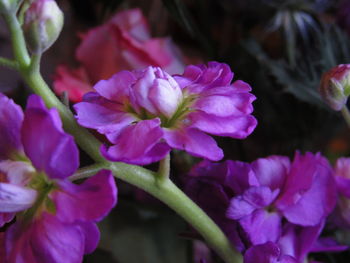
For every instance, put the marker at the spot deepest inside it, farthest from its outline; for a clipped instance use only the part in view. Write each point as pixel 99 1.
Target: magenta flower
pixel 146 113
pixel 55 219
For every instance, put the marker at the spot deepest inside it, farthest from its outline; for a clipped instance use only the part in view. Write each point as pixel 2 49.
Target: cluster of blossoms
pixel 273 210
pixel 123 43
pixel 55 218
pixel 145 113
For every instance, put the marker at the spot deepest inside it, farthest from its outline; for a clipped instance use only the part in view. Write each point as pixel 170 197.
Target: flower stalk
pixel 169 193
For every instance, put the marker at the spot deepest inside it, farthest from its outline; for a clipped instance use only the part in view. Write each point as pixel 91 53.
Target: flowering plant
pixel 137 104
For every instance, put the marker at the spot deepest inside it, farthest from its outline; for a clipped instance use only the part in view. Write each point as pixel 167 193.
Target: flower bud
pixel 335 86
pixel 43 23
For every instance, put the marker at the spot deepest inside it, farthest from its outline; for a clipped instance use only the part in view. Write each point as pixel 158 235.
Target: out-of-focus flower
pixel 145 113
pixel 9 6
pixel 341 216
pixel 303 193
pixel 123 43
pixel 256 197
pixel 335 86
pixel 43 23
pixel 55 219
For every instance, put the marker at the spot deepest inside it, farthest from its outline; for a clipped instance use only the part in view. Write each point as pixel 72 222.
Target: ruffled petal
pixel 138 144
pixel 261 226
pixel 194 142
pixel 49 148
pixel 272 171
pixel 45 240
pixel 117 87
pixel 90 201
pixel 105 120
pixel 11 118
pixel 233 126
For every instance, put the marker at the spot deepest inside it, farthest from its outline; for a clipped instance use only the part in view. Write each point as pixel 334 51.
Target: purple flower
pixel 302 192
pixel 57 219
pixel 249 201
pixel 341 215
pixel 146 113
pixel 292 247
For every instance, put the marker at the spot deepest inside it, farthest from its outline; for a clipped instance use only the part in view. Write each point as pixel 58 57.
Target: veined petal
pixel 136 144
pixel 233 126
pixel 49 148
pixel 15 198
pixel 11 118
pixel 89 201
pixel 195 142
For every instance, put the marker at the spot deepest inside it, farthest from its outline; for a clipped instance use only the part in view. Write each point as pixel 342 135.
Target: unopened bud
pixel 43 23
pixel 9 6
pixel 335 86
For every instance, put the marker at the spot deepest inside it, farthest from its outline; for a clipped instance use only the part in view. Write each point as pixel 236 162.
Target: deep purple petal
pixel 239 208
pixel 264 253
pixel 14 198
pixel 342 176
pixel 261 226
pixel 49 148
pixel 309 206
pixel 91 200
pixel 271 171
pixel 240 177
pixel 91 234
pixel 327 244
pixel 194 142
pixel 11 118
pixel 232 126
pixel 138 144
pixel 45 240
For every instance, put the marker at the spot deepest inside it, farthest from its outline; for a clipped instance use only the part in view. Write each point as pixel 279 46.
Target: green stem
pixel 346 114
pixel 5 62
pixel 172 196
pixel 135 175
pixel 163 170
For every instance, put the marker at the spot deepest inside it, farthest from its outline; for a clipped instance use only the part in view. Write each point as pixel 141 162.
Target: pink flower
pixel 147 112
pixel 123 43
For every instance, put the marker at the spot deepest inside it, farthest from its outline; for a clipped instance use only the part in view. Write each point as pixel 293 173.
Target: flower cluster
pixel 273 209
pixel 145 113
pixel 55 219
pixel 123 43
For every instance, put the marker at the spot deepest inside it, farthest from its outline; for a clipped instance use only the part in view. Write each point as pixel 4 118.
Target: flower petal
pixel 11 117
pixel 49 148
pixel 233 126
pixel 194 142
pixel 90 201
pixel 138 144
pixel 14 198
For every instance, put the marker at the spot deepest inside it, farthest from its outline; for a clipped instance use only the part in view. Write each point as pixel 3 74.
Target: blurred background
pixel 280 47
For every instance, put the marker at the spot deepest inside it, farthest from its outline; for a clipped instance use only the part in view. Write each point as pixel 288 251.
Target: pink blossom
pixel 123 43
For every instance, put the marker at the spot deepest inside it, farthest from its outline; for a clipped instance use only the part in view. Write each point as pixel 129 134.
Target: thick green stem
pixel 163 170
pixel 135 175
pixel 172 196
